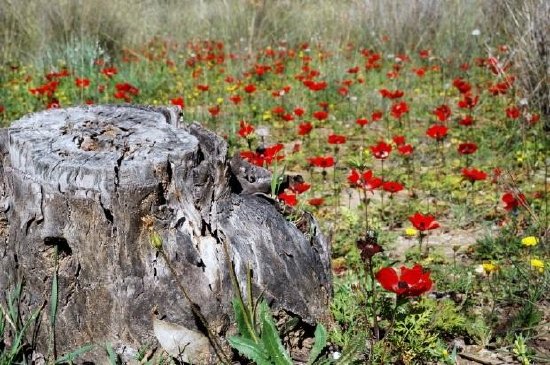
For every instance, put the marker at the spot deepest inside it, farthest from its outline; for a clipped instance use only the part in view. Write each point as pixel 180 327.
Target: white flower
pixel 476 32
pixel 336 355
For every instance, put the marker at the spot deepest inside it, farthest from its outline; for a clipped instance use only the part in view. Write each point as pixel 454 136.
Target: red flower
pixel 246 129
pixel 362 121
pixel 473 175
pixel 320 115
pixel 467 148
pixel 365 180
pixel 512 200
pixel 344 91
pixel 376 115
pixel 388 94
pixel 2 109
pixel 466 121
pixel 353 70
pixel 513 112
pixel 420 72
pixel 399 140
pixel 409 283
pixel 288 198
pixel 299 111
pixel 127 88
pixel 304 128
pixel 468 101
pixel 437 132
pixel 321 161
pixel 316 202
pixel 398 109
pixel 263 155
pixel 381 151
pixel 53 104
pixel 405 150
pixel 423 222
pixel 235 99
pixel 462 86
pixel 315 86
pixel 300 188
pixel 336 139
pixel 392 187
pixel 250 88
pixel 82 82
pixel 442 112
pixel 202 87
pixel 179 102
pixel 424 53
pixel 214 110
pixel 109 71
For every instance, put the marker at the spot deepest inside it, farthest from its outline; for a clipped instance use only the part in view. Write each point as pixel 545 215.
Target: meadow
pixel 421 136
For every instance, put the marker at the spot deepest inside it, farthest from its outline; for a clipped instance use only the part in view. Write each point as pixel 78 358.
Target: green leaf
pixel 71 356
pixel 17 343
pixel 113 357
pixel 270 338
pixel 251 350
pixel 53 299
pixel 320 343
pixel 243 325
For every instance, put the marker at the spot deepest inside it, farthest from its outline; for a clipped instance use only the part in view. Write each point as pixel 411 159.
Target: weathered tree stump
pixel 94 182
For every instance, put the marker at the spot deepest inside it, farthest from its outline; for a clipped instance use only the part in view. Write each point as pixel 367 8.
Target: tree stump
pixel 92 183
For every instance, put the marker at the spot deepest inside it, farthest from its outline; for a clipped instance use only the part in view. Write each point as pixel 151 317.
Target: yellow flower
pixel 489 267
pixel 538 265
pixel 266 115
pixel 411 232
pixel 529 241
pixel 219 100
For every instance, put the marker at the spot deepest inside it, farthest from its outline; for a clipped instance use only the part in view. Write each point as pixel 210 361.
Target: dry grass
pixel 44 31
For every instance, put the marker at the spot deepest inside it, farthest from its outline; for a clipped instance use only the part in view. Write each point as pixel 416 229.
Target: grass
pixel 487 290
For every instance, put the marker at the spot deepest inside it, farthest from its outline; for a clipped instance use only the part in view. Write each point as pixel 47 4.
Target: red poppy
pixel 442 112
pixel 467 148
pixel 263 155
pixel 179 102
pixel 353 70
pixel 288 198
pixel 513 112
pixel 500 88
pixel 315 86
pixel 126 87
pixel 2 109
pixel 512 200
pixel 423 222
pixel 405 150
pixel 466 121
pixel 473 175
pixel 246 129
pixel 408 283
pixel 368 247
pixel 53 104
pixel 398 109
pixel 376 115
pixel 320 115
pixel 109 71
pixel 299 111
pixel 287 117
pixel 388 94
pixel 82 82
pixel 316 202
pixel 462 86
pixel 235 99
pixel 304 128
pixel 399 140
pixel 362 121
pixel 381 150
pixel 336 139
pixel 468 101
pixel 437 132
pixel 392 187
pixel 250 88
pixel 420 72
pixel 321 161
pixel 365 180
pixel 214 110
pixel 424 53
pixel 202 87
pixel 300 188
pixel 533 118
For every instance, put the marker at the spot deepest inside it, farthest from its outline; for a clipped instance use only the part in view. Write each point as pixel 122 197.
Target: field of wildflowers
pixel 429 175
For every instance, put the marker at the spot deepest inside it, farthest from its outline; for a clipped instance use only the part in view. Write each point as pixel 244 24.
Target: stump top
pixel 119 145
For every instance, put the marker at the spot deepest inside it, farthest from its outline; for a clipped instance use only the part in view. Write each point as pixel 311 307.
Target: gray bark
pixel 96 181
